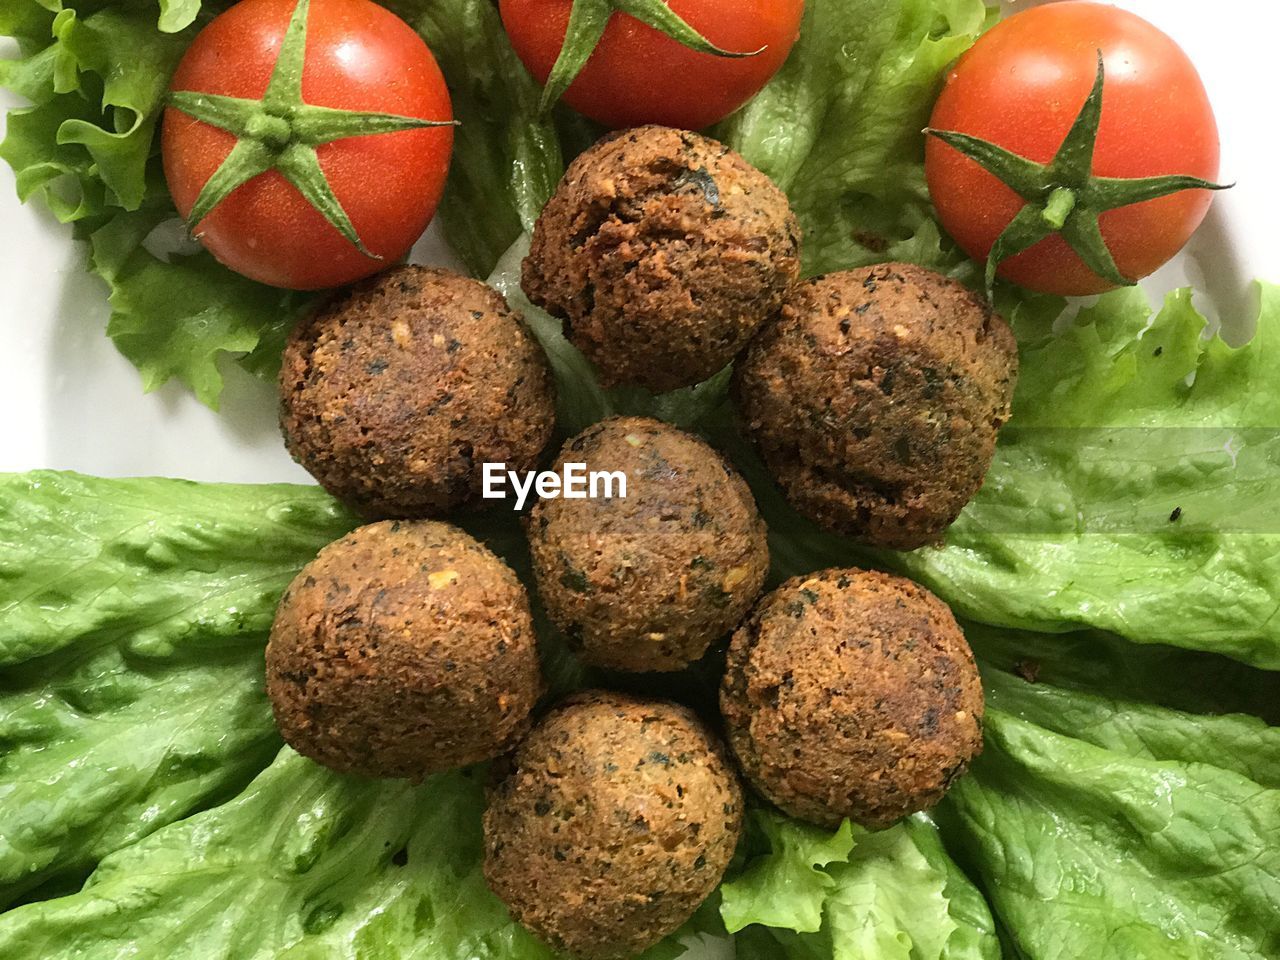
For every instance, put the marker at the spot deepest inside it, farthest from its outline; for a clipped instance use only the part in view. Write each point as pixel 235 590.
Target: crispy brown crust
pixel 395 393
pixel 616 821
pixel 650 581
pixel 665 251
pixel 850 693
pixel 403 649
pixel 875 400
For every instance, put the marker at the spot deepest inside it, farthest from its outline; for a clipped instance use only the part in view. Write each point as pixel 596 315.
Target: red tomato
pixel 638 75
pixel 359 56
pixel 1021 86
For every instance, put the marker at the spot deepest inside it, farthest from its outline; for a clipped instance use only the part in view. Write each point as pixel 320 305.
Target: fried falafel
pixel 616 821
pixel 664 251
pixel 851 693
pixel 875 400
pixel 394 394
pixel 403 649
pixel 649 581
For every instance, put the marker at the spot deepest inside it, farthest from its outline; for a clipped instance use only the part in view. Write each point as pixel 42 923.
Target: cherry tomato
pixel 1022 84
pixel 358 56
pixel 638 75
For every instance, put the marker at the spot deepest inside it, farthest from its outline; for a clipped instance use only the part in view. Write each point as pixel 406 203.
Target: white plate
pixel 72 402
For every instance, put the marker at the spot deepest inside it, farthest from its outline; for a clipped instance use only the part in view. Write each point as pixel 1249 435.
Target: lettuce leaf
pixel 1104 818
pixel 132 626
pixel 1123 498
pixel 507 156
pixel 96 76
pixel 854 895
pixel 1106 851
pixel 219 316
pixel 853 98
pixel 97 87
pixel 348 867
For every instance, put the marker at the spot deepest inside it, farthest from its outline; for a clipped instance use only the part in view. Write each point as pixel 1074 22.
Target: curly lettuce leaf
pixel 219 315
pixel 97 88
pixel 132 628
pixel 853 98
pixel 854 895
pixel 787 885
pixel 96 77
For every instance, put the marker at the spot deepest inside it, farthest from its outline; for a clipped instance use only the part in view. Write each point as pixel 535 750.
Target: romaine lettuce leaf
pixel 1102 821
pixel 1123 498
pixel 155 566
pixel 303 864
pixel 1105 852
pixel 132 625
pixel 102 748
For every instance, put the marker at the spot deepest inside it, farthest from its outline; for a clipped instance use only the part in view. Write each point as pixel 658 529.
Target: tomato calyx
pixel 1063 196
pixel 281 132
pixel 587 22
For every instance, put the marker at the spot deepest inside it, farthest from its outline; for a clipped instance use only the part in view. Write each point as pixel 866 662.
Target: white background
pixel 70 401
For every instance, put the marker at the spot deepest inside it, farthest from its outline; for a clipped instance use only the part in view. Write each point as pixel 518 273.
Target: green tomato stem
pixel 1061 202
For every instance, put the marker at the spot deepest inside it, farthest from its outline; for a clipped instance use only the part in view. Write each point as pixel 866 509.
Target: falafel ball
pixel 649 581
pixel 664 251
pixel 403 649
pixel 850 693
pixel 616 821
pixel 875 400
pixel 395 393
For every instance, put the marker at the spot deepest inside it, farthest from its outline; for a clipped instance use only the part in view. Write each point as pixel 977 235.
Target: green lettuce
pixel 1105 843
pixel 853 98
pixel 1123 497
pixel 507 156
pixel 132 626
pixel 303 864
pixel 96 77
pixel 855 895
